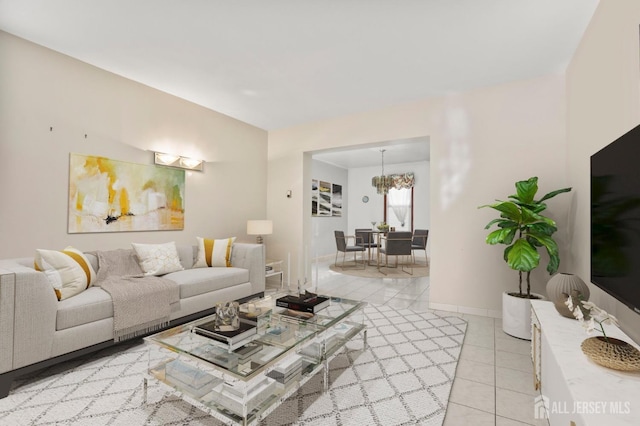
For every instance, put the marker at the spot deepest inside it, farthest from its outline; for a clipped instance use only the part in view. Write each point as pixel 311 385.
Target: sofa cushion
pixel 93 260
pixel 68 270
pixel 214 252
pixel 197 281
pixel 158 259
pixel 91 305
pixel 187 255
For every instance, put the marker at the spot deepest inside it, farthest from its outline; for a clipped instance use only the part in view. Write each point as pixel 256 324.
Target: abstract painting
pixel 107 195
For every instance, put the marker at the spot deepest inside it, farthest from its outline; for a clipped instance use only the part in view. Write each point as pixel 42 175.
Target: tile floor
pixel 493 383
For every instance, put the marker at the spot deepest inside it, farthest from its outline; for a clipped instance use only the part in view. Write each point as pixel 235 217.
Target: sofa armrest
pixel 7 295
pixel 29 322
pixel 251 257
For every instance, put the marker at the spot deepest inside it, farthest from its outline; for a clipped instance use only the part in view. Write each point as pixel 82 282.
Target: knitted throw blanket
pixel 141 304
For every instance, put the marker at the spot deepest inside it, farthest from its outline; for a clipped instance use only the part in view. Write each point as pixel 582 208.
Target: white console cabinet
pixel 577 391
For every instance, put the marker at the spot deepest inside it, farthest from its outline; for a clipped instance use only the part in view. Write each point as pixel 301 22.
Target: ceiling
pixel 395 152
pixel 281 63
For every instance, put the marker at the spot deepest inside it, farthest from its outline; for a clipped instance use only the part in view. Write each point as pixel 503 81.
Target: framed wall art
pixel 108 195
pixel 326 199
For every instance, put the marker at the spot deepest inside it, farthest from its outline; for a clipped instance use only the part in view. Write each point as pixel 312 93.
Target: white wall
pixel 603 95
pixel 484 142
pixel 124 120
pixel 481 143
pixel 323 239
pixel 362 214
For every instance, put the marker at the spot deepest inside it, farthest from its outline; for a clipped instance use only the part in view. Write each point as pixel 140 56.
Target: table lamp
pixel 259 228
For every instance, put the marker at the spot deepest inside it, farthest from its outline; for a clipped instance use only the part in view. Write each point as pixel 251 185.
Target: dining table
pixel 374 241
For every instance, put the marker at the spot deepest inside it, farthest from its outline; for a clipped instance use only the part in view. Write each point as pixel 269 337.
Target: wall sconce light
pixel 178 161
pixel 259 228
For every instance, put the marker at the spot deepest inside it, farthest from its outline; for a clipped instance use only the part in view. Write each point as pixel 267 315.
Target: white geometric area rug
pixel 403 377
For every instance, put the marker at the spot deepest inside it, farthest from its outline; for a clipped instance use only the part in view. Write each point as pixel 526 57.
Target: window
pixel 398 209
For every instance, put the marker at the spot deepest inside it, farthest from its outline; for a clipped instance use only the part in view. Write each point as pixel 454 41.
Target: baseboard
pixel 465 310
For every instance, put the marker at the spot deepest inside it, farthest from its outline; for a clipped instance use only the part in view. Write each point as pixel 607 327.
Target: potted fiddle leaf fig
pixel 523 230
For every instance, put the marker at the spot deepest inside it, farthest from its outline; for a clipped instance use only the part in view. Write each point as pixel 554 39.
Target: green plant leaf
pixel 529 217
pixel 523 256
pixel 552 249
pixel 548 243
pixel 499 221
pixel 527 189
pixel 553 194
pixel 508 209
pixel 505 254
pixel 543 228
pixel 538 207
pixel 507 223
pixel 554 264
pixel 501 236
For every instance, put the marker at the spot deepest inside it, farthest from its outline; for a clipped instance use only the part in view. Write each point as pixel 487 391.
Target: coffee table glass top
pixel 278 334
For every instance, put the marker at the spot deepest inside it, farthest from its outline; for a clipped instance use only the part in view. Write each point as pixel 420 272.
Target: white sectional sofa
pixel 37 330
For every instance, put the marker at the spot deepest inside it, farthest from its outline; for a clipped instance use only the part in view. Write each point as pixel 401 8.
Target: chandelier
pixel 382 183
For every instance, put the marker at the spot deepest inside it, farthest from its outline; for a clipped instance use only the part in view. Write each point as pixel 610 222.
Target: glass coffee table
pixel 243 381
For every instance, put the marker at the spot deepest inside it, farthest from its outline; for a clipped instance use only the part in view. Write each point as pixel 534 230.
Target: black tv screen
pixel 615 219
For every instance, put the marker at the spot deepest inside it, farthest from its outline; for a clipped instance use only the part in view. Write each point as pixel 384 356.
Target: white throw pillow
pixel 214 252
pixel 158 259
pixel 68 270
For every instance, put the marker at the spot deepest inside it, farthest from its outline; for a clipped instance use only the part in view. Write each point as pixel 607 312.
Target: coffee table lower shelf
pixel 214 396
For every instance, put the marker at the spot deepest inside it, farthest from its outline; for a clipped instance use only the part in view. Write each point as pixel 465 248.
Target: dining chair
pixel 419 242
pixel 344 247
pixel 396 244
pixel 365 237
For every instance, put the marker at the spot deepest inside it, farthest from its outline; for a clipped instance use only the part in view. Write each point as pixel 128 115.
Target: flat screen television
pixel 615 219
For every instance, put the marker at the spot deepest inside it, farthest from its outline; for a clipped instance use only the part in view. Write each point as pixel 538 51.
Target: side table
pixel 274 268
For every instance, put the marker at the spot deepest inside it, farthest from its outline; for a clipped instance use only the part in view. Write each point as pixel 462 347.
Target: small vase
pixel 612 353
pixel 227 316
pixel 561 285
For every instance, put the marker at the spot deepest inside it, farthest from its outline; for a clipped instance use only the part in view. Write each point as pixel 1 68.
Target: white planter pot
pixel 516 315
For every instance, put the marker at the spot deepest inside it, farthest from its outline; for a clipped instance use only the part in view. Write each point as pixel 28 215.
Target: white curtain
pixel 399 200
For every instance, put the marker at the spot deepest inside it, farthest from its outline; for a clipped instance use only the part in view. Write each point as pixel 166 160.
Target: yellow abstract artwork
pixel 107 195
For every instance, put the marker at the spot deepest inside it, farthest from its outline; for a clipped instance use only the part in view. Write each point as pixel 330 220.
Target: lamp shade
pixel 259 227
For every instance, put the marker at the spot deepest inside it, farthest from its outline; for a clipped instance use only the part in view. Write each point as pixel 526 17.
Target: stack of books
pixel 287 371
pixel 306 302
pixel 247 351
pixel 327 341
pixel 343 329
pixel 190 378
pixel 234 399
pixel 245 331
pixel 217 355
pixel 266 354
pixel 278 333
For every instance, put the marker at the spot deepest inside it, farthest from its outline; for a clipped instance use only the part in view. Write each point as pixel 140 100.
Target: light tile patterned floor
pixel 493 385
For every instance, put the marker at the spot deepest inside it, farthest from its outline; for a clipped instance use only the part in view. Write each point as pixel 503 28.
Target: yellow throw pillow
pixel 158 259
pixel 214 252
pixel 68 270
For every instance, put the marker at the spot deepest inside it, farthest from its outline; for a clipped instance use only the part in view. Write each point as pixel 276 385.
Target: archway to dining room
pixel 344 199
